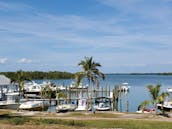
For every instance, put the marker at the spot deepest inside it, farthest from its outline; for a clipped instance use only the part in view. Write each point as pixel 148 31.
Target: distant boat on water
pixel 169 90
pixel 124 87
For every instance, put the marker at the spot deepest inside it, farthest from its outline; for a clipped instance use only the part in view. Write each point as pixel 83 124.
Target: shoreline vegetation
pixel 34 75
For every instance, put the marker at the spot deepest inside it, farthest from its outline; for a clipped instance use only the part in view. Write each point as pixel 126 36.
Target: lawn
pixel 9 121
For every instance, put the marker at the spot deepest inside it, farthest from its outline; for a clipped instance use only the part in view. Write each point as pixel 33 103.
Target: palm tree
pixel 20 78
pixel 161 99
pixel 60 95
pixel 78 78
pixel 47 92
pixel 144 104
pixel 154 92
pixel 91 71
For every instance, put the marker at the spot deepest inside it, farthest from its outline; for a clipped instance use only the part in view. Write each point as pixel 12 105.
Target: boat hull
pixel 9 106
pixel 103 109
pixel 65 107
pixel 36 108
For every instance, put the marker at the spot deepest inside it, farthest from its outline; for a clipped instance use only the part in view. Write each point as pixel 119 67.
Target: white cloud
pixel 3 60
pixel 24 60
pixel 53 38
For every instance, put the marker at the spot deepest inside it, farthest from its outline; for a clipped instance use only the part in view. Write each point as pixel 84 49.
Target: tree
pixel 91 71
pixel 144 104
pixel 154 92
pixel 20 78
pixel 156 96
pixel 78 78
pixel 47 92
pixel 60 95
pixel 161 99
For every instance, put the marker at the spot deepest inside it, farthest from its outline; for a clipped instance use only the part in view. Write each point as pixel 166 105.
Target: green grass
pixel 129 124
pixel 19 120
pixel 12 119
pixel 88 115
pixel 124 124
pixel 60 122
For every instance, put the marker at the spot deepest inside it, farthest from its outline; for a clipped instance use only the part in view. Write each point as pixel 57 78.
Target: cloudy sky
pixel 123 35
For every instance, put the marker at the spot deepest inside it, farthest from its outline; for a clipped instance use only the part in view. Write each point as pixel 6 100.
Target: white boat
pixel 81 105
pixel 65 107
pixel 169 90
pixel 102 104
pixel 11 102
pixel 32 87
pixel 61 87
pixel 36 105
pixel 102 107
pixel 124 87
pixel 167 106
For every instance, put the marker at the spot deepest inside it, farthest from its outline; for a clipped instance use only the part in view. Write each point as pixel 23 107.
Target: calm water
pixel 138 83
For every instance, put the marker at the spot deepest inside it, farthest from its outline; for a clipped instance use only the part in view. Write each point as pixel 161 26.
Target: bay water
pixel 138 83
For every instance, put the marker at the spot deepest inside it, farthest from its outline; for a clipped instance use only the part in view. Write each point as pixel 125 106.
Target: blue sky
pixel 123 35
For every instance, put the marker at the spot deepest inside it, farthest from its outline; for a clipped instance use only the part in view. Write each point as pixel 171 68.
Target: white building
pixel 5 83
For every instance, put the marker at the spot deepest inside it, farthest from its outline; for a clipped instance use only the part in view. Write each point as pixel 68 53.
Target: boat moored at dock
pixel 36 105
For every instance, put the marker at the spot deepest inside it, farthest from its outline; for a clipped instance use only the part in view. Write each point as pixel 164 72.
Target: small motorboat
pixel 102 104
pixel 124 87
pixel 65 107
pixel 34 105
pixel 102 107
pixel 169 90
pixel 146 110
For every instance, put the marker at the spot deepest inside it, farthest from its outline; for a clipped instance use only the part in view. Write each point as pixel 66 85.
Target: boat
pixel 66 107
pixel 102 104
pixel 146 111
pixel 36 105
pixel 167 106
pixel 32 87
pixel 124 87
pixel 11 101
pixel 61 88
pixel 169 90
pixel 82 106
pixel 102 107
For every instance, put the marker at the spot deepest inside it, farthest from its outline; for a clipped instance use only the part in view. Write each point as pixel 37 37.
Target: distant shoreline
pixel 139 73
pixel 67 75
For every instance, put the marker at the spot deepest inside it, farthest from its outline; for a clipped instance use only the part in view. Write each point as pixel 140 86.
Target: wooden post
pixel 69 94
pixel 127 106
pixel 66 94
pixel 102 91
pixel 109 90
pixel 87 98
pixel 106 91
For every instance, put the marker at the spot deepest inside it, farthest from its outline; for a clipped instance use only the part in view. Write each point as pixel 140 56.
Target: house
pixel 4 86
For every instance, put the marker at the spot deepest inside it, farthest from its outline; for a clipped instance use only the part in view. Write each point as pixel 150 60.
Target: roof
pixel 4 80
